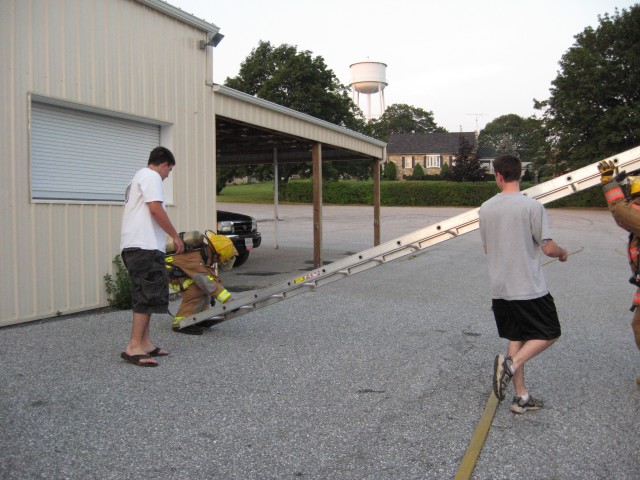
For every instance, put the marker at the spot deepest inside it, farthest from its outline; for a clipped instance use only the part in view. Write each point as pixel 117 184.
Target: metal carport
pixel 251 131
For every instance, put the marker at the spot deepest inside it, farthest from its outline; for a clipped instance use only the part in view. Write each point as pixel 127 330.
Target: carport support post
pixel 276 178
pixel 316 158
pixel 376 202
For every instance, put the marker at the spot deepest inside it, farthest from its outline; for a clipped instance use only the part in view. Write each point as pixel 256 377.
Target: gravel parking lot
pixel 381 376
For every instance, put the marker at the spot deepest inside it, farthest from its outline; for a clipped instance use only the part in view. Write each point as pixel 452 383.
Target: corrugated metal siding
pixel 117 55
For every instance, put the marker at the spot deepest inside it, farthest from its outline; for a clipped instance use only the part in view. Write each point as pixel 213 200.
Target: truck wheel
pixel 241 258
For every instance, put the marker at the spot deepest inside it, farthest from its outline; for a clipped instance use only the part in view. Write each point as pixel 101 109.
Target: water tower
pixel 368 78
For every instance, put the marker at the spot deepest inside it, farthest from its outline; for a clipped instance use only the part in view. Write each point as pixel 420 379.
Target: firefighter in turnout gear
pixel 622 193
pixel 193 275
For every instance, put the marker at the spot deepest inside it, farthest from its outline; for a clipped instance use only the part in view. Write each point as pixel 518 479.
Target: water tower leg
pixel 382 107
pixel 368 106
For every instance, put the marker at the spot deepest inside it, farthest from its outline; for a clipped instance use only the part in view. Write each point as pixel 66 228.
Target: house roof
pixel 427 143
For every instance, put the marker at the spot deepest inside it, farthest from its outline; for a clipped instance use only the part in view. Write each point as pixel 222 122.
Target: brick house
pixel 430 150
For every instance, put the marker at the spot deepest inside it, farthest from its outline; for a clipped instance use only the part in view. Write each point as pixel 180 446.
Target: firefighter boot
pixel 194 301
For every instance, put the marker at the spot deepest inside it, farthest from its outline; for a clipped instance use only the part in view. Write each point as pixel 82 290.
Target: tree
pixel 403 118
pixel 524 137
pixel 444 171
pixel 418 173
pixel 297 80
pixel 226 174
pixel 466 165
pixel 302 82
pixel 390 171
pixel 594 108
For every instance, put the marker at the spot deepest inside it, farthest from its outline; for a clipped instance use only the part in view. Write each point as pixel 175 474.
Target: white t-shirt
pixel 139 229
pixel 514 227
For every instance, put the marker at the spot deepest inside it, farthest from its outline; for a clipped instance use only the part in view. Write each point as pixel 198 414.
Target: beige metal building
pixel 88 88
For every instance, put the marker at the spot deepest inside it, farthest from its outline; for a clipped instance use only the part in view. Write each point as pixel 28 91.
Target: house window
pixel 434 161
pixel 407 162
pixel 85 155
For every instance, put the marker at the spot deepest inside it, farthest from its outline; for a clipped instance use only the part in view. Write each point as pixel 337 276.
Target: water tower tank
pixel 368 78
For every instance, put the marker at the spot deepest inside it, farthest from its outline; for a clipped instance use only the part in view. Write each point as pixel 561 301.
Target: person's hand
pixel 619 178
pixel 607 169
pixel 564 254
pixel 179 244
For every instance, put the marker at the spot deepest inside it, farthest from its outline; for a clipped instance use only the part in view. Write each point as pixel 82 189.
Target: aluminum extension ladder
pixel 559 187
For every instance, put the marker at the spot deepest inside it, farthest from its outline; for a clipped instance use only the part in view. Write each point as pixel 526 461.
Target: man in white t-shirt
pixel 514 231
pixel 145 227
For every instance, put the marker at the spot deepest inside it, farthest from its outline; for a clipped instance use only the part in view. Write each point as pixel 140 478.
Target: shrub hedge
pixel 421 193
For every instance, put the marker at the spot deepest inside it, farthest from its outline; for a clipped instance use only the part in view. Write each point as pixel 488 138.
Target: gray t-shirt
pixel 513 227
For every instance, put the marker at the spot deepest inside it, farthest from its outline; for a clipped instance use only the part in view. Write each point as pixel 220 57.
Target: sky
pixel 466 61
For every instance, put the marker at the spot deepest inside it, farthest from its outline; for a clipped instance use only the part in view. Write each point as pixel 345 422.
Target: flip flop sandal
pixel 156 352
pixel 135 359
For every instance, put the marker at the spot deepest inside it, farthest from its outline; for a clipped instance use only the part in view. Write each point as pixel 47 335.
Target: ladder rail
pixel 348 266
pixel 565 185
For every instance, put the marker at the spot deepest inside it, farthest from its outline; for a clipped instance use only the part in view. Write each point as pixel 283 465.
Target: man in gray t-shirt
pixel 515 231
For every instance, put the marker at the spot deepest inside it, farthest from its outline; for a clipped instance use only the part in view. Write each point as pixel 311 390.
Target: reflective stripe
pixel 177 320
pixel 168 259
pixel 613 195
pixel 178 287
pixel 223 296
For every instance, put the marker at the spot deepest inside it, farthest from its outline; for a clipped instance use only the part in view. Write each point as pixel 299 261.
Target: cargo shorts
pixel 149 280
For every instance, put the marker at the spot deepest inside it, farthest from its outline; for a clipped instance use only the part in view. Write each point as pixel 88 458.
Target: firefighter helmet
pixel 634 186
pixel 224 249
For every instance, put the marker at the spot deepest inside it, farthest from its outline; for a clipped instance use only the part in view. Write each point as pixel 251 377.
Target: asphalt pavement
pixel 383 375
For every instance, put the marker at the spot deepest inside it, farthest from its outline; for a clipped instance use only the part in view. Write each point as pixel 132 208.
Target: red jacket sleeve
pixel 626 213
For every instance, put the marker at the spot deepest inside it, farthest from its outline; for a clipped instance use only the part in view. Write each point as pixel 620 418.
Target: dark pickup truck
pixel 243 232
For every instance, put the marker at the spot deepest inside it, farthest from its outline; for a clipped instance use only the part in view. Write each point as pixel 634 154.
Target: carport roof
pixel 248 129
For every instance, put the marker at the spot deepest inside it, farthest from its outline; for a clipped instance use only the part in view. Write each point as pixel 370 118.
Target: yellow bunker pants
pixel 197 286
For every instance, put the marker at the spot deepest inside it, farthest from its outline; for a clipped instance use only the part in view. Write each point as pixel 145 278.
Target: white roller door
pixel 84 156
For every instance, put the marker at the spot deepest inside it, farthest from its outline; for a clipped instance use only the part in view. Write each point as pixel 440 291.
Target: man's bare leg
pixel 140 343
pixel 521 353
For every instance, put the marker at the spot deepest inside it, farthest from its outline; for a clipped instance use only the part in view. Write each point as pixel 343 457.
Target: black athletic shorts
pixel 149 280
pixel 522 320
